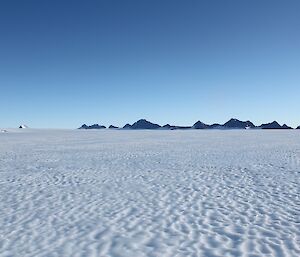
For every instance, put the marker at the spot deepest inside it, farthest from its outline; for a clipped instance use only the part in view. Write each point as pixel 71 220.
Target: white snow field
pixel 149 193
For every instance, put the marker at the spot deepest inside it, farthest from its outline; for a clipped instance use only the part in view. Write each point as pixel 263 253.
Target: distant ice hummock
pixel 23 126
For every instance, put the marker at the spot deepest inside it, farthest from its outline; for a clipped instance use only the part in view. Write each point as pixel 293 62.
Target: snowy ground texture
pixel 149 193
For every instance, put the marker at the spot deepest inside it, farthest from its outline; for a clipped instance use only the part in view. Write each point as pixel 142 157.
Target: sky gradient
pixel 65 63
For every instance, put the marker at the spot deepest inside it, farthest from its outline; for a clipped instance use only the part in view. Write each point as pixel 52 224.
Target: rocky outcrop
pixel 168 126
pixel 274 125
pixel 144 124
pixel 200 125
pixel 237 124
pixel 84 126
pixel 94 126
pixel 127 126
pixel 284 126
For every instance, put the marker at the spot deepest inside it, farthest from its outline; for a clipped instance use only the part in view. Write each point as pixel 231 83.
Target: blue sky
pixel 64 63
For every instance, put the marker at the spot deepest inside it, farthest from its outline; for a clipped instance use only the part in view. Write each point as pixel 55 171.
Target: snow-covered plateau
pixel 149 193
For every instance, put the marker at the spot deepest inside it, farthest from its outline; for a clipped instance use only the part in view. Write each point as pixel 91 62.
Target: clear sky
pixel 64 63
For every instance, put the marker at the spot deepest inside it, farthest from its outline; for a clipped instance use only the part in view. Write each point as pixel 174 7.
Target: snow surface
pixel 149 193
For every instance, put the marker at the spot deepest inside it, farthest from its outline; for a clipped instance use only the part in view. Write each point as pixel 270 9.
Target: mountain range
pixel 231 124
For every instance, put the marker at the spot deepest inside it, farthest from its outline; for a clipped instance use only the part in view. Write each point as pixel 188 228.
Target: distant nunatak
pixel 231 124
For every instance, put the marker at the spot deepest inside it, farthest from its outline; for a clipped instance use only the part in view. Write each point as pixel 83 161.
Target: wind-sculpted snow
pixel 149 193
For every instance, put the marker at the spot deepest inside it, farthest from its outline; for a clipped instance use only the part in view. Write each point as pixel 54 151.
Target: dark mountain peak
pixel 272 125
pixel 298 127
pixel 144 124
pixel 235 123
pixel 84 126
pixel 94 126
pixel 200 125
pixel 168 126
pixel 234 120
pixel 284 126
pixel 275 123
pixel 127 126
pixel 112 127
